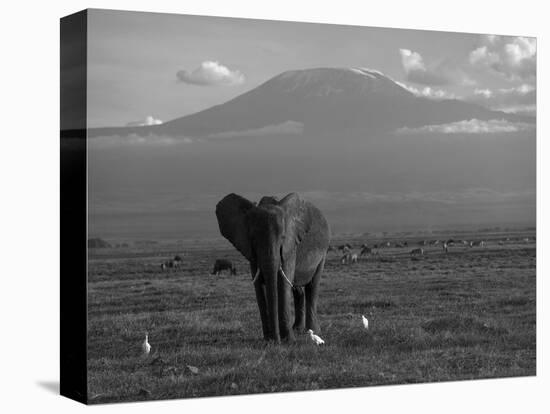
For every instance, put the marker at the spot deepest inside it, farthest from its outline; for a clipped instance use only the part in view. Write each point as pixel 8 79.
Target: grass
pixel 463 315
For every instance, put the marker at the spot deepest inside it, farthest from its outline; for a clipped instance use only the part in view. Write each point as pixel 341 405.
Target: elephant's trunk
pixel 270 268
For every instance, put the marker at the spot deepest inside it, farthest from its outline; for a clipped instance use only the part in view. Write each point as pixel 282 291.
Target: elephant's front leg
pixel 262 305
pixel 299 308
pixel 285 297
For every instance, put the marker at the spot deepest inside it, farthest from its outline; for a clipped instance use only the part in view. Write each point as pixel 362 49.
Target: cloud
pixel 473 126
pixel 514 58
pixel 519 109
pixel 211 73
pixel 416 70
pixel 285 128
pixel 428 92
pixel 148 121
pixel 518 99
pixel 135 140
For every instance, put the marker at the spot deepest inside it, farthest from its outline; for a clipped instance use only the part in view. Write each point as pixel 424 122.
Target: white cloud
pixel 135 140
pixel 416 70
pixel 428 91
pixel 211 73
pixel 519 109
pixel 485 93
pixel 472 126
pixel 513 57
pixel 148 121
pixel 519 99
pixel 285 128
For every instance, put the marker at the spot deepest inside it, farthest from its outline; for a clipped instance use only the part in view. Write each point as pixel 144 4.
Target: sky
pixel 148 68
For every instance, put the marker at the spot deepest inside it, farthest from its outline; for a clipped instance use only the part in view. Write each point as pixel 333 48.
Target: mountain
pixel 320 99
pixel 347 160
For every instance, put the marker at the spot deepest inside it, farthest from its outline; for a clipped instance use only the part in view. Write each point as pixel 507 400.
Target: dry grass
pixel 463 315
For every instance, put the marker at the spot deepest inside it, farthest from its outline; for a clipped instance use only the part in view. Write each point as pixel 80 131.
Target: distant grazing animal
pixel 405 244
pixel 349 258
pixel 145 346
pixel 365 250
pixel 422 243
pixel 178 258
pixel 315 339
pixel 345 248
pixel 479 243
pixel 415 252
pixel 399 245
pixel 346 258
pixel 223 264
pixel 170 264
pixel 445 247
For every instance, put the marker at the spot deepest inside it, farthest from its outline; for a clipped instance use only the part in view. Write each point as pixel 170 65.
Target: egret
pixel 316 339
pixel 365 322
pixel 145 346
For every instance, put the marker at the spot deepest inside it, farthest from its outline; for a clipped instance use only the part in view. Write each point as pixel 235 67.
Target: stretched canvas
pixel 254 206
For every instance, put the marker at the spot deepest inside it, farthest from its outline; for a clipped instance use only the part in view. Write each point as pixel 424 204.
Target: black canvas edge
pixel 73 202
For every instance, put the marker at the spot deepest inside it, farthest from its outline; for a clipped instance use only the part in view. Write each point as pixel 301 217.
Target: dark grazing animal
pixel 415 252
pixel 365 250
pixel 224 264
pixel 170 264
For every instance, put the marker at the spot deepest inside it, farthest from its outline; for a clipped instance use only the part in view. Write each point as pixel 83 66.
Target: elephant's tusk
pixel 282 272
pixel 287 279
pixel 256 276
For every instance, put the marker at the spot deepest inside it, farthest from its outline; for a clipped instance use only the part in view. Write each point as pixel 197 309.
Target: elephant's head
pixel 267 234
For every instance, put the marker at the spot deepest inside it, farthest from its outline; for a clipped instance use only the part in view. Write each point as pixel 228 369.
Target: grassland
pixel 466 314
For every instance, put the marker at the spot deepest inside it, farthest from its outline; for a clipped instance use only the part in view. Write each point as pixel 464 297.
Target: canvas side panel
pixel 73 232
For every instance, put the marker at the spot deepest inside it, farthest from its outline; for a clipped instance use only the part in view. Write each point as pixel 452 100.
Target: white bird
pixel 145 346
pixel 365 322
pixel 316 339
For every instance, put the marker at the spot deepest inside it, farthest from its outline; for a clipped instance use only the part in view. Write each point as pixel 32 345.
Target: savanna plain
pixel 469 313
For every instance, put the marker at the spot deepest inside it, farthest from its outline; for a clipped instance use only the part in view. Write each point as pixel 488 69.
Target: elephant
pixel 286 243
pixel 223 264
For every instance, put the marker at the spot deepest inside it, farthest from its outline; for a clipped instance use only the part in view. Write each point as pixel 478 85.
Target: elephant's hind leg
pixel 312 294
pixel 299 308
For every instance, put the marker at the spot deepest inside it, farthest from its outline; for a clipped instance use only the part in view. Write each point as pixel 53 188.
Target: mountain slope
pixel 322 99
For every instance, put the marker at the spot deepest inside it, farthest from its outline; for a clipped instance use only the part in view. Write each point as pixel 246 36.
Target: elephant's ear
pixel 297 222
pixel 268 200
pixel 231 212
